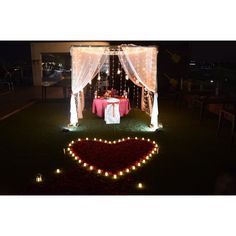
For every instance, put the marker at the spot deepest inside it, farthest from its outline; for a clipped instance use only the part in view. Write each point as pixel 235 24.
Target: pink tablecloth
pixel 99 105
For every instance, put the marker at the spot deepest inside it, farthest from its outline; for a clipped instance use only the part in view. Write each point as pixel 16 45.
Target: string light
pixel 112 74
pixel 137 96
pixel 58 171
pixel 133 93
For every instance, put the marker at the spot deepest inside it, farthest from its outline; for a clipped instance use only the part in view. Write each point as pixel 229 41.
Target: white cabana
pixel 138 62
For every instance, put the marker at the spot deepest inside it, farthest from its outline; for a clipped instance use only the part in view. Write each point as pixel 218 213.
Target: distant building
pixel 37 49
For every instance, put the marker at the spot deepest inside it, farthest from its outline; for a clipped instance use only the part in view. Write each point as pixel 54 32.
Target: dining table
pixel 100 103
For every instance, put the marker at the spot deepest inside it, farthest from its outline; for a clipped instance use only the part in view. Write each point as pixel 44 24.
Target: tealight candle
pixel 39 178
pixel 140 185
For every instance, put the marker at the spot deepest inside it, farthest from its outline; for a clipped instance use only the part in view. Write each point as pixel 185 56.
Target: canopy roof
pixel 113 50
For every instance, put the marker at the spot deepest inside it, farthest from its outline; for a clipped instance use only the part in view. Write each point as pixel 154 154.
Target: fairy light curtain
pixel 86 62
pixel 140 64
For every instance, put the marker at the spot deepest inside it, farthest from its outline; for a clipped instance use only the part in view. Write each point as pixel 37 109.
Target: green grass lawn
pixel 190 160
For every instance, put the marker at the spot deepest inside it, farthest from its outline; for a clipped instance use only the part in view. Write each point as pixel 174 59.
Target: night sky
pixel 208 51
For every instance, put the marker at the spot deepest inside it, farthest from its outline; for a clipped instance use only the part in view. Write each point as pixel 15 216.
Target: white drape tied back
pixel 86 62
pixel 140 64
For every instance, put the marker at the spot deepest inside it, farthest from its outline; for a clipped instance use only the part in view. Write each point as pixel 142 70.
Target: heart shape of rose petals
pixel 112 158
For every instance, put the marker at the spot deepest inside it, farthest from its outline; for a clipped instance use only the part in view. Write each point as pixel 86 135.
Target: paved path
pixel 12 102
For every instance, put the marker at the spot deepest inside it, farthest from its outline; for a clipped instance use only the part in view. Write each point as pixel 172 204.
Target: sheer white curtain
pixel 140 63
pixel 86 62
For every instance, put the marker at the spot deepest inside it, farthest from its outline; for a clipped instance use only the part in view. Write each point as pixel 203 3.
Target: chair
pixel 112 113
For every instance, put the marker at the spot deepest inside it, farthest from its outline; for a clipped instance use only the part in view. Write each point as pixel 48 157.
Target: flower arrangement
pixel 107 94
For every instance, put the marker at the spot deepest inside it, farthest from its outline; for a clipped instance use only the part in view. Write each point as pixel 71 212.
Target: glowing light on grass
pixel 106 174
pixel 114 176
pixel 99 171
pixel 91 167
pixel 120 173
pixel 58 171
pixel 39 178
pixel 140 185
